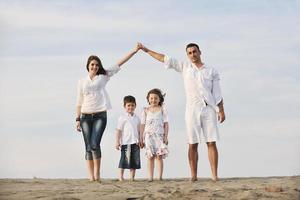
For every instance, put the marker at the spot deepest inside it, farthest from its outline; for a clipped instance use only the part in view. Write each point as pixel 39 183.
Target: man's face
pixel 194 54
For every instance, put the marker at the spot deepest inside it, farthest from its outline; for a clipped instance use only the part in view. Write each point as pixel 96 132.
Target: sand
pixel 228 188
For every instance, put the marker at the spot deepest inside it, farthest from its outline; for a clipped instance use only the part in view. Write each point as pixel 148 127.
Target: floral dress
pixel 154 132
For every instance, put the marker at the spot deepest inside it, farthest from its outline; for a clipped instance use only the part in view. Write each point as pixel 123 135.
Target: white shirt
pixel 92 95
pixel 201 85
pixel 129 126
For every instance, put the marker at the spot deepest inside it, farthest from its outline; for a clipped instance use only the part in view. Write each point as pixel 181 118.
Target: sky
pixel 44 46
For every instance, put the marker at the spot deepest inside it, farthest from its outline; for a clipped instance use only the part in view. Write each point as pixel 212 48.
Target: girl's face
pixel 153 99
pixel 93 67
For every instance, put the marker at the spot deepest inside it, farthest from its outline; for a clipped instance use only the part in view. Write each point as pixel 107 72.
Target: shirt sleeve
pixel 143 116
pixel 112 70
pixel 79 94
pixel 165 114
pixel 216 89
pixel 120 124
pixel 172 63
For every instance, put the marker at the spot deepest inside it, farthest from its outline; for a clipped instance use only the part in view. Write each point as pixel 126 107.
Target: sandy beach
pixel 227 188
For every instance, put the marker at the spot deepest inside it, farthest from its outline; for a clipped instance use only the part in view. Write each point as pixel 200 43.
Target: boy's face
pixel 130 107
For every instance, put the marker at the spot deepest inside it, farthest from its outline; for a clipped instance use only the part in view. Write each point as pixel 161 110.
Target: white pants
pixel 201 124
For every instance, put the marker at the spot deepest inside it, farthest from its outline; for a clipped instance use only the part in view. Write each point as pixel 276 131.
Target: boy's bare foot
pixel 215 179
pixel 150 179
pixel 193 179
pixel 121 179
pixel 132 179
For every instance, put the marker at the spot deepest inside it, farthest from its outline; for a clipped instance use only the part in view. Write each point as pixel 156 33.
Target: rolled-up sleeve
pixel 112 70
pixel 120 124
pixel 172 63
pixel 79 94
pixel 216 89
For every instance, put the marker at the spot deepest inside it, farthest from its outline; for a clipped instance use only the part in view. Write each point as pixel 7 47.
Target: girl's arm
pixel 142 135
pixel 166 132
pixel 128 56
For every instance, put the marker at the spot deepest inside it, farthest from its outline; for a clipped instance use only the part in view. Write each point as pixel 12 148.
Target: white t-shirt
pixel 129 127
pixel 92 95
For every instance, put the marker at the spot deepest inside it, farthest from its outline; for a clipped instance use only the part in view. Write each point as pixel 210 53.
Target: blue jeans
pixel 93 126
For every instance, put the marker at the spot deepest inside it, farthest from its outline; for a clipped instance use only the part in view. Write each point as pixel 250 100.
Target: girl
pixel 92 104
pixel 154 128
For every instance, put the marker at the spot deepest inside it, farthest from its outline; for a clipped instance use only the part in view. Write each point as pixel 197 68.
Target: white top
pixel 154 121
pixel 201 85
pixel 92 95
pixel 129 127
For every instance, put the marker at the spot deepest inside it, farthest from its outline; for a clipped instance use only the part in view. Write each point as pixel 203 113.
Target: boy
pixel 128 138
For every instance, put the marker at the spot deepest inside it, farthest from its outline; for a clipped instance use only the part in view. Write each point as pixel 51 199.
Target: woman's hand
pixel 118 145
pixel 78 127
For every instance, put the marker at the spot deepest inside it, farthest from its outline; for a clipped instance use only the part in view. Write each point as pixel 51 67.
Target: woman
pixel 92 104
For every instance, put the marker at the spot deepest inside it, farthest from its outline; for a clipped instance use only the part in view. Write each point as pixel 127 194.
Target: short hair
pixel 159 93
pixel 101 70
pixel 192 45
pixel 129 99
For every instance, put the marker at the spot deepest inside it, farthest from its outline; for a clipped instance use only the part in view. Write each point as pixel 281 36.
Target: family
pixel 204 108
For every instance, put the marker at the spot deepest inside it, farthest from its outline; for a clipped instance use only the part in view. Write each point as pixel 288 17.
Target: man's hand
pixel 221 116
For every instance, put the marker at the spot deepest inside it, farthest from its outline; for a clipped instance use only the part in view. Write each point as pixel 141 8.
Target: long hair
pixel 101 70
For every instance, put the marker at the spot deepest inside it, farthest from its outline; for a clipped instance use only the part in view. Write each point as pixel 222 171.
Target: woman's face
pixel 93 67
pixel 153 99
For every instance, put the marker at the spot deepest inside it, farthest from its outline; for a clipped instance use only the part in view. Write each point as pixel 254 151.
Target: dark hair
pixel 158 92
pixel 129 99
pixel 192 45
pixel 101 69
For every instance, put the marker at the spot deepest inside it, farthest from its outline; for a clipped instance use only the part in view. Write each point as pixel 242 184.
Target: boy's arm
pixel 166 132
pixel 158 56
pixel 118 138
pixel 128 56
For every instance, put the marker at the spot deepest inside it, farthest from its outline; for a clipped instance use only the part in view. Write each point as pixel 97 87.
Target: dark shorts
pixel 130 160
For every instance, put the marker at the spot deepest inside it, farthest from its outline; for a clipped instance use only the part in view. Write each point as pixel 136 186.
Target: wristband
pixel 77 119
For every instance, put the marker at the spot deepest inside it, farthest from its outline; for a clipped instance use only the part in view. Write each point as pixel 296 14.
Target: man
pixel 204 104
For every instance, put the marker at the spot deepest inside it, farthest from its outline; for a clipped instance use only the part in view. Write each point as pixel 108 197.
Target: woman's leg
pixel 160 166
pixel 151 168
pixel 96 171
pixel 99 125
pixel 90 166
pixel 86 126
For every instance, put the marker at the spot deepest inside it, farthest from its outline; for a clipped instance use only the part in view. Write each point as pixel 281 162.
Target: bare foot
pixel 193 179
pixel 132 179
pixel 150 179
pixel 215 179
pixel 121 179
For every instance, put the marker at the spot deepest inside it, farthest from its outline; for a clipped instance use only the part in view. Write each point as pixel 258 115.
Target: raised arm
pixel 158 56
pixel 128 56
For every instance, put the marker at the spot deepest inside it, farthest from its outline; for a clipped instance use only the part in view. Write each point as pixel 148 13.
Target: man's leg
pixel 213 159
pixel 193 160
